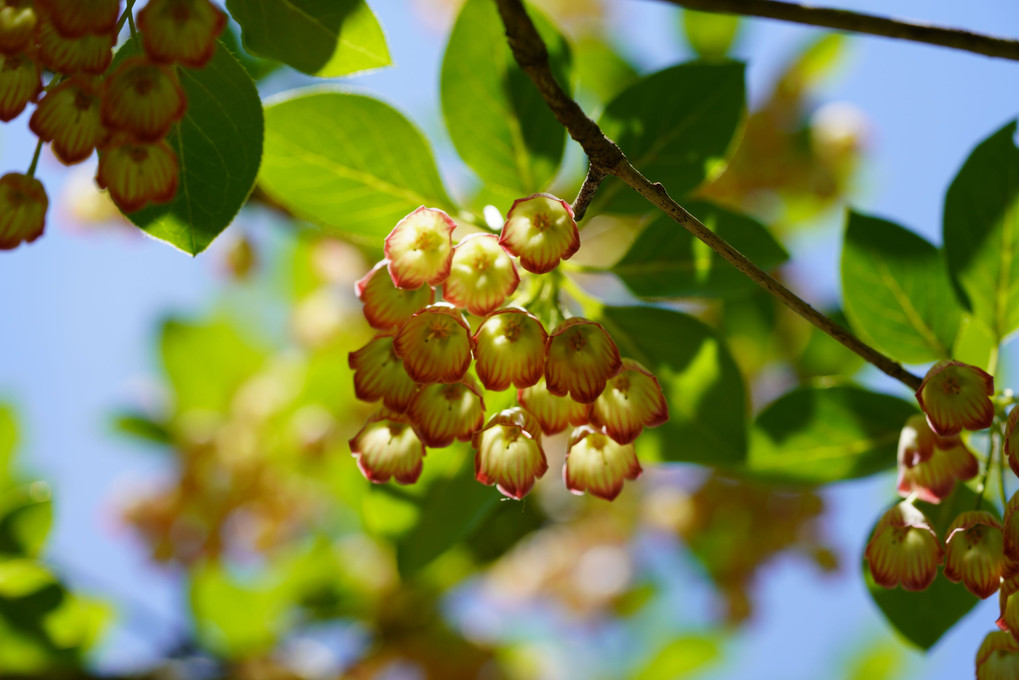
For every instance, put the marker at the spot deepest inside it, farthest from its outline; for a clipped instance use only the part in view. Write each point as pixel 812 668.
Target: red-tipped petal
pixel 23 206
pixel 435 345
pixel 181 31
pixel 581 357
pixel 420 248
pixel 386 306
pixel 445 412
pixel 956 396
pixel 482 275
pixel 379 374
pixel 541 231
pixel 509 452
pixel 387 447
pixel 631 401
pixel 553 412
pixel 510 350
pixel 597 464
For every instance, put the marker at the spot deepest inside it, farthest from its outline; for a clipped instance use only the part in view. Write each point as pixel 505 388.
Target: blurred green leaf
pixel 326 38
pixel 824 356
pixel 673 125
pixel 981 232
pixel 975 343
pixel 896 291
pixel 702 385
pixel 681 658
pixel 817 435
pixel 600 69
pixel 880 660
pixel 79 623
pixel 206 362
pixel 238 619
pixel 21 577
pixel 219 148
pixel 26 515
pixel 8 440
pixel 667 261
pixel 143 427
pixel 496 118
pixel 710 35
pixel 357 178
pixel 923 617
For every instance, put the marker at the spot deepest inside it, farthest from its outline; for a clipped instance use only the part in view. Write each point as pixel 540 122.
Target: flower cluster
pixel 419 364
pixel 124 111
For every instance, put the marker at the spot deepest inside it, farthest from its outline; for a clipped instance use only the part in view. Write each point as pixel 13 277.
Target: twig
pixel 845 20
pixel 594 178
pixel 531 54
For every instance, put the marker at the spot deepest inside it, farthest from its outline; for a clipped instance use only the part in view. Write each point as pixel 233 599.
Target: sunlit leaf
pixel 817 435
pixel 326 38
pixel 21 577
pixel 896 291
pixel 601 69
pixel 234 618
pixel 497 119
pixel 981 231
pixel 681 658
pixel 710 35
pixel 357 178
pixel 8 440
pixel 702 385
pixel 26 515
pixel 142 427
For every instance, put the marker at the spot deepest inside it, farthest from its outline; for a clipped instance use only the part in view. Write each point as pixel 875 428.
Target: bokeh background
pixel 599 591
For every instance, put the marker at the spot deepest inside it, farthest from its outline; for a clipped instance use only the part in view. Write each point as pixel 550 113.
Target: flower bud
pixel 76 18
pixel 552 412
pixel 581 357
pixel 929 465
pixel 20 83
pixel 481 276
pixel 142 99
pixel 956 396
pixel 88 53
pixel 420 248
pixel 17 25
pixel 137 173
pixel 998 657
pixel 445 412
pixel 68 118
pixel 510 350
pixel 23 205
pixel 541 231
pixel 632 400
pixel 385 305
pixel 435 345
pixel 973 552
pixel 379 374
pixel 1010 539
pixel 597 464
pixel 904 549
pixel 183 31
pixel 509 453
pixel 387 447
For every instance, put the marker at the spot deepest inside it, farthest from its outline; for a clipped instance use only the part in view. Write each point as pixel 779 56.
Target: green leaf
pixel 26 515
pixel 21 577
pixel 348 162
pixel 219 148
pixel 702 385
pixel 601 69
pixel 8 440
pixel 975 343
pixel 710 35
pixel 981 232
pixel 206 362
pixel 673 125
pixel 896 291
pixel 816 435
pixel 141 426
pixel 667 261
pixel 498 121
pixel 238 619
pixel 923 617
pixel 327 38
pixel 450 510
pixel 681 658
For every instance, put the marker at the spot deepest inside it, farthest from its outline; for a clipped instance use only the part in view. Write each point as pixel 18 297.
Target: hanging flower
pixel 386 306
pixel 973 552
pixel 541 231
pixel 631 401
pixel 598 464
pixel 510 350
pixel 956 396
pixel 387 447
pixel 445 412
pixel 581 358
pixel 435 345
pixel 509 453
pixel 904 549
pixel 420 248
pixel 181 31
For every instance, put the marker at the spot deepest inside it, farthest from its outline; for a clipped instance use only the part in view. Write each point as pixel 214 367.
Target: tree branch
pixel 844 20
pixel 532 56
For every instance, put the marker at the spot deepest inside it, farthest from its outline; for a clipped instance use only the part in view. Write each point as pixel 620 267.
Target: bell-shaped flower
pixel 420 248
pixel 598 464
pixel 581 357
pixel 1010 539
pixel 1011 448
pixel 552 412
pixel 481 276
pixel 541 231
pixel 142 99
pixel 632 400
pixel 956 396
pixel 379 374
pixel 181 31
pixel 973 552
pixel 387 447
pixel 88 53
pixel 1008 603
pixel 445 412
pixel 509 453
pixel 137 173
pixel 998 657
pixel 435 345
pixel 904 549
pixel 76 18
pixel 385 305
pixel 929 465
pixel 509 349
pixel 18 20
pixel 20 83
pixel 23 206
pixel 68 118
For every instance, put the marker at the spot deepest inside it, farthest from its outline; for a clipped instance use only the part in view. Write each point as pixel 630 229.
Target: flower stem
pixel 35 159
pixel 991 438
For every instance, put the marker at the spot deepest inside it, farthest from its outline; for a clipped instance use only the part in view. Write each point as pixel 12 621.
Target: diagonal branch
pixel 605 156
pixel 845 20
